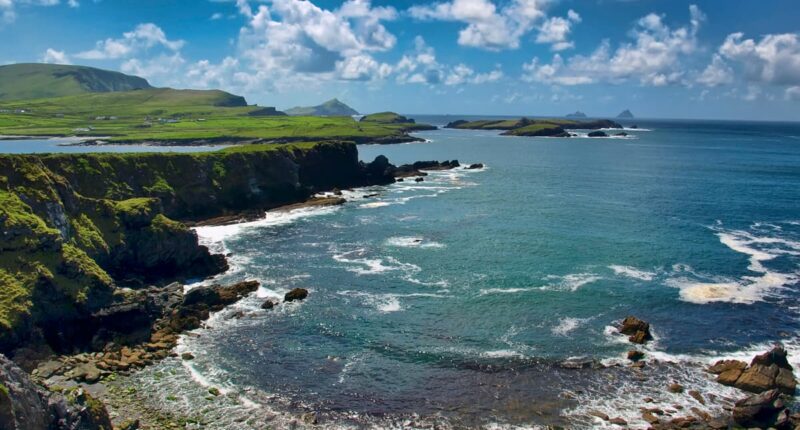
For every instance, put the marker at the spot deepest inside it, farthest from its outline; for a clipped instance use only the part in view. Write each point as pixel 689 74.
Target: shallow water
pixel 453 300
pixel 67 145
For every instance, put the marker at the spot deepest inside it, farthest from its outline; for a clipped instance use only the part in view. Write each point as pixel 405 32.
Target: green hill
pixel 330 108
pixel 35 81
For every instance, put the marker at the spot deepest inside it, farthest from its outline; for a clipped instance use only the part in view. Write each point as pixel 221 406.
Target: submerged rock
pixel 598 134
pixel 475 166
pixel 420 179
pixel 296 294
pixel 268 304
pixel 635 355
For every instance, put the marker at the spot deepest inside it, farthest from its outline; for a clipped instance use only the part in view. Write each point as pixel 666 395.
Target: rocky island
pixel 534 127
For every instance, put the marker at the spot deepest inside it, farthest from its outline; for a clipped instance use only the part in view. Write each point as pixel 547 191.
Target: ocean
pixel 455 302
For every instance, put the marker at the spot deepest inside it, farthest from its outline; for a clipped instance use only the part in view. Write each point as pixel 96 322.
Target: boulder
pixel 598 134
pixel 675 388
pixel 634 355
pixel 475 166
pixel 419 179
pixel 725 365
pixel 759 410
pixel 187 356
pixel 637 330
pixel 268 304
pixel 767 371
pixel 621 134
pixel 296 294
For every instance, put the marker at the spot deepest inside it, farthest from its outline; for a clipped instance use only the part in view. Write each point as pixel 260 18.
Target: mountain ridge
pixel 332 107
pixel 35 80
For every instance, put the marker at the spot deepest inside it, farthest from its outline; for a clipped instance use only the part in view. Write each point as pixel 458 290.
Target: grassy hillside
pixel 330 108
pixel 180 117
pixel 31 81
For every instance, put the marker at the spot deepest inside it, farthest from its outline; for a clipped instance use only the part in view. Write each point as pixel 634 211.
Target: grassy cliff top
pixel 29 81
pixel 526 124
pixel 176 116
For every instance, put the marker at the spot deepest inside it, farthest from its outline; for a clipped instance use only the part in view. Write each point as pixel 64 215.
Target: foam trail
pixel 632 272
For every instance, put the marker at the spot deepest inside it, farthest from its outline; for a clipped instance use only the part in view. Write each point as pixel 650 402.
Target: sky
pixel 722 59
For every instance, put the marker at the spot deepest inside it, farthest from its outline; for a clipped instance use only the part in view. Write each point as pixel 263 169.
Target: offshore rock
pixel 296 294
pixel 768 371
pixel 637 330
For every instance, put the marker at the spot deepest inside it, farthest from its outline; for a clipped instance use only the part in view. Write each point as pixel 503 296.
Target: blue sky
pixel 660 58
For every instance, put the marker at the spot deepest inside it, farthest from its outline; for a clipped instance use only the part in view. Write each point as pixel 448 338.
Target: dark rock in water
pixel 337 192
pixel 579 363
pixel 634 355
pixel 634 126
pixel 621 134
pixel 296 294
pixel 475 166
pixel 618 421
pixel 214 391
pixel 598 134
pixel 420 179
pixel 417 169
pixel 760 410
pixel 400 180
pixel 187 356
pixel 269 304
pixel 638 330
pixel 600 415
pixel 697 396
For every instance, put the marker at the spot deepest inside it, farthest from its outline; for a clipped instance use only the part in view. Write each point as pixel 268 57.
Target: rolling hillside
pixel 330 108
pixel 34 81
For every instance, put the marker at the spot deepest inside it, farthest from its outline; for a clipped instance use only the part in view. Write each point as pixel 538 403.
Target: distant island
pixel 576 114
pixel 332 107
pixel 544 127
pixel 626 114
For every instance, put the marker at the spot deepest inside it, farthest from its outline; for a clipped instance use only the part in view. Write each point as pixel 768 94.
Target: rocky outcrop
pixel 637 330
pixel 78 226
pixel 27 406
pixel 765 410
pixel 417 169
pixel 768 371
pixel 597 134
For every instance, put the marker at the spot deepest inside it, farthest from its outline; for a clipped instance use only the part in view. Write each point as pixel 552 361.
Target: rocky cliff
pixel 76 226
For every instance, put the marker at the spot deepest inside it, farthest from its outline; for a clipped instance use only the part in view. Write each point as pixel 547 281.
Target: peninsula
pixel 547 127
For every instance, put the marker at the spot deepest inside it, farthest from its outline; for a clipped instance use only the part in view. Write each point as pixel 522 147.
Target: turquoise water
pixel 67 145
pixel 456 299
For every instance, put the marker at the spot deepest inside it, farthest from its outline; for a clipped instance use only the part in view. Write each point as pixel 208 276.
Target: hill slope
pixel 625 114
pixel 33 81
pixel 330 108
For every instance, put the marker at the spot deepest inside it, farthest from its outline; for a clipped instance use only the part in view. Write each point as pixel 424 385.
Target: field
pixel 178 116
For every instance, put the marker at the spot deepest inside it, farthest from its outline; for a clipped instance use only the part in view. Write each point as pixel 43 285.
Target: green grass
pixel 28 81
pixel 167 115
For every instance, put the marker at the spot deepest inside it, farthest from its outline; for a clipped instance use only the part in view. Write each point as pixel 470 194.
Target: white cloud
pixel 73 3
pixel 143 37
pixel 422 67
pixel 295 36
pixel 8 11
pixel 654 58
pixel 792 93
pixel 717 73
pixel 555 31
pixel 775 59
pixel 488 26
pixel 162 68
pixel 216 16
pixel 55 57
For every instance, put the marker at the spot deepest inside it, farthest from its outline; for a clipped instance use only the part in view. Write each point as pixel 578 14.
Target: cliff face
pixel 75 226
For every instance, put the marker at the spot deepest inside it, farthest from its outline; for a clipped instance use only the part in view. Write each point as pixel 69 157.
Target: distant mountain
pixel 34 81
pixel 577 114
pixel 625 114
pixel 330 108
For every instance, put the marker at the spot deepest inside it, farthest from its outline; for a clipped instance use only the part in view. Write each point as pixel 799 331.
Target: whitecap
pixel 567 324
pixel 361 265
pixel 218 233
pixel 747 289
pixel 372 205
pixel 632 272
pixel 488 291
pixel 572 281
pixel 412 242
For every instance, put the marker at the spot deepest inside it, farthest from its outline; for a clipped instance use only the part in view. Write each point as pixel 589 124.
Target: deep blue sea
pixel 455 301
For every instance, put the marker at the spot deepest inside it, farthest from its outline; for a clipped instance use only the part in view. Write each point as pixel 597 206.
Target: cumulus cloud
pixel 55 57
pixel 555 31
pixel 653 58
pixel 422 67
pixel 775 59
pixel 487 26
pixel 295 36
pixel 717 73
pixel 143 37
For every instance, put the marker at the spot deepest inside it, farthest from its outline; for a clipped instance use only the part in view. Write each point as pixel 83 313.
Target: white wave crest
pixel 632 272
pixel 412 242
